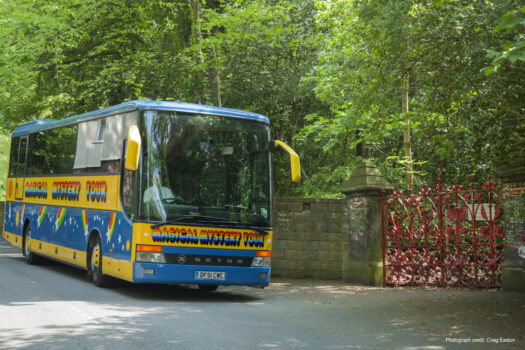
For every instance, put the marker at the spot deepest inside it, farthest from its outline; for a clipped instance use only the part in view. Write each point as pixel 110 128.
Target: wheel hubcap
pixel 95 259
pixel 27 242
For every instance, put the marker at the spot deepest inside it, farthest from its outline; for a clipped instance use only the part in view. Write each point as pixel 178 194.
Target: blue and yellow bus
pixel 147 192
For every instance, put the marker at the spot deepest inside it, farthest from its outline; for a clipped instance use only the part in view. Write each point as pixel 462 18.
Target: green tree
pixel 340 80
pixel 75 56
pixel 457 115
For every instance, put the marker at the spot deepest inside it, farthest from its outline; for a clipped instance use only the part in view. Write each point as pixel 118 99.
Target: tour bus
pixel 147 192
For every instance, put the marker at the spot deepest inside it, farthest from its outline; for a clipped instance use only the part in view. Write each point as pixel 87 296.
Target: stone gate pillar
pixel 513 277
pixel 362 251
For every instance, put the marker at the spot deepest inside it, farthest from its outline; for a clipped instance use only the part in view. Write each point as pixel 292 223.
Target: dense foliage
pixel 331 75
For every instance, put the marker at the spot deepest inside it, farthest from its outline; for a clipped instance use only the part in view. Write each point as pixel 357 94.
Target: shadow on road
pixel 142 292
pixel 181 293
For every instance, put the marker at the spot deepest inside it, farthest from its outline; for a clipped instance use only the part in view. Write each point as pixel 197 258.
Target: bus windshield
pixel 205 166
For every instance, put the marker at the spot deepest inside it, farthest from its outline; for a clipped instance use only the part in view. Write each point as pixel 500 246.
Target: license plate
pixel 210 275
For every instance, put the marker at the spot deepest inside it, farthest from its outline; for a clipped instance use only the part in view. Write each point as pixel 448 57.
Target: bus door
pixel 20 167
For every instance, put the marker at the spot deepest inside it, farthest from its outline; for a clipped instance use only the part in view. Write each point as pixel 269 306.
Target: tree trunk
pixel 217 77
pixel 360 147
pixel 196 10
pixel 407 145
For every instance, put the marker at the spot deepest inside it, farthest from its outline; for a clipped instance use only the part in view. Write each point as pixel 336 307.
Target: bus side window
pixel 52 151
pixel 128 191
pixel 13 156
pixel 36 162
pixel 22 154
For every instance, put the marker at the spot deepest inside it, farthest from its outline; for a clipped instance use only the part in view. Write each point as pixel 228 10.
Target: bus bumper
pixel 189 274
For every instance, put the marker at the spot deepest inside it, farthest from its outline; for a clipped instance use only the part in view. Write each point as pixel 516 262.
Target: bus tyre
pixel 95 263
pixel 208 287
pixel 30 257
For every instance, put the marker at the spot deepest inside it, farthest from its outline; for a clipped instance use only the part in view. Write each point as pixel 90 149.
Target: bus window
pixel 22 154
pixel 52 151
pixel 13 156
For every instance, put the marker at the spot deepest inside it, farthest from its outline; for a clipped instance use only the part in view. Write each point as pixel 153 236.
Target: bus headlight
pixel 150 257
pixel 261 261
pixel 150 253
pixel 262 258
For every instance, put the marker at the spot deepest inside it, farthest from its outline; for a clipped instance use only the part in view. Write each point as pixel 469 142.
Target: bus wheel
pixel 95 263
pixel 208 287
pixel 30 257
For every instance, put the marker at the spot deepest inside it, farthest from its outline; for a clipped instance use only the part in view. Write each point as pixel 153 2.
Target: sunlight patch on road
pixel 10 255
pixel 53 319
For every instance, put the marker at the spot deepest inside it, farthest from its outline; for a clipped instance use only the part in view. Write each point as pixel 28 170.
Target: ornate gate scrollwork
pixel 443 236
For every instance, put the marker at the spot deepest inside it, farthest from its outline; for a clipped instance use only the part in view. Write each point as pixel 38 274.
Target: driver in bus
pixel 158 192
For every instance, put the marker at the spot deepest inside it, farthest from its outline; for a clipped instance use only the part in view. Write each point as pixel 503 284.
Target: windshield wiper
pixel 210 221
pixel 190 219
pixel 237 224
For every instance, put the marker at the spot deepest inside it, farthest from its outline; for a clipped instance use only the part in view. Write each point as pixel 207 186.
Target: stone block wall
pixel 308 238
pixel 328 239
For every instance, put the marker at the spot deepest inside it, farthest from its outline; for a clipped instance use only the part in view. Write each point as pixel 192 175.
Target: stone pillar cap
pixel 366 177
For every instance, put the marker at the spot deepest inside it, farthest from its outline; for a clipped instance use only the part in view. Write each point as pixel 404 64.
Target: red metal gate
pixel 443 236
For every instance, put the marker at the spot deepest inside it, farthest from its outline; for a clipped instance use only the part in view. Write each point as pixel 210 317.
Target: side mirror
pixel 294 159
pixel 133 148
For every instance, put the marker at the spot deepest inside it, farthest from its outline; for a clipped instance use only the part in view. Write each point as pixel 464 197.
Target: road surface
pixel 54 307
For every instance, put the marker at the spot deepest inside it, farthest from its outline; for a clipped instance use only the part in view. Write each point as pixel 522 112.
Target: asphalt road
pixel 54 307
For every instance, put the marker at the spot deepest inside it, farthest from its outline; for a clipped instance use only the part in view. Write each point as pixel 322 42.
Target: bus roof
pixel 43 124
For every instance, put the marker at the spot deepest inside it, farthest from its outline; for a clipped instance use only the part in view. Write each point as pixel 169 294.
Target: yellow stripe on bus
pixel 202 237
pixel 89 192
pixel 15 240
pixel 118 268
pixel 58 252
pixel 111 266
